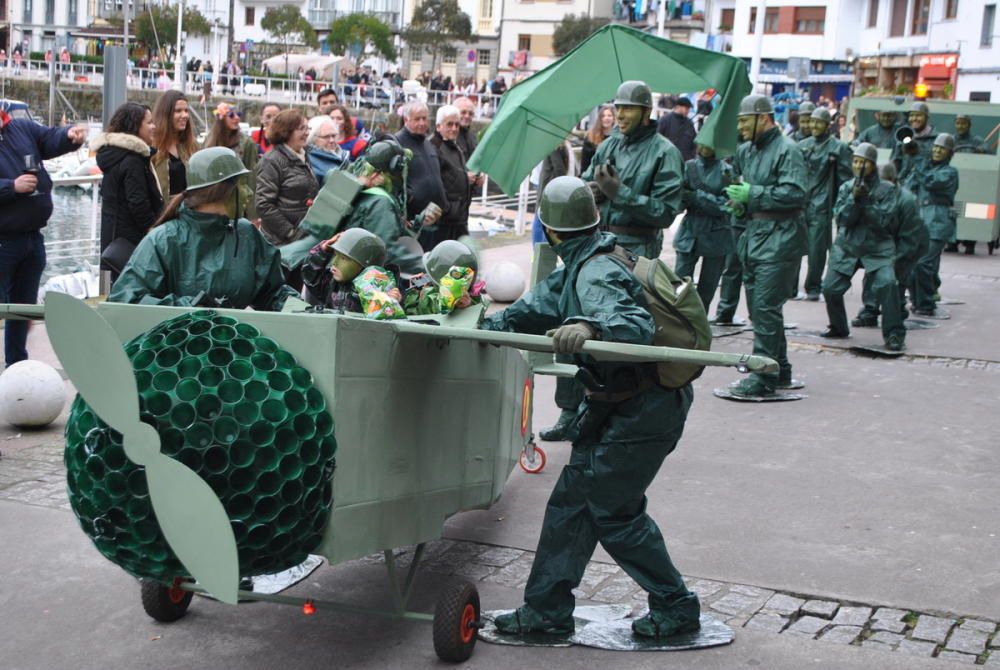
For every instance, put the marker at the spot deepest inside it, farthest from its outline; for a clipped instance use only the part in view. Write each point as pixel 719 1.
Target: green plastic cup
pixel 295 402
pixel 158 403
pixel 175 338
pixel 188 367
pixel 222 334
pixel 198 346
pixel 182 416
pixel 328 447
pixel 242 480
pixel 265 344
pixel 226 430
pixel 309 452
pixel 230 391
pixel 241 453
pixel 199 436
pixel 274 411
pixel 256 391
pixel 146 531
pixel 143 359
pixel 143 379
pixel 285 359
pixel 190 457
pixel 262 434
pixel 220 356
pixel 291 466
pixel 312 501
pixel 286 441
pixel 301 378
pixel 219 484
pixel 292 491
pixel 241 370
pixel 211 376
pixel 171 441
pixel 240 506
pixel 266 460
pixel 168 357
pixel 165 381
pixel 266 509
pixel 324 424
pixel 94 465
pixel 304 426
pixel 259 535
pixel 152 341
pixel 247 331
pixel 242 347
pixel 287 518
pixel 269 483
pixel 311 476
pixel 279 381
pixel 116 483
pixel 239 530
pixel 188 390
pixel 137 484
pixel 220 320
pixel 262 362
pixel 208 407
pixel 216 460
pixel 200 327
pixel 246 412
pixel 279 543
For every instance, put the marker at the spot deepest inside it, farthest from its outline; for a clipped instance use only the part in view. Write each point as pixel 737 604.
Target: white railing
pixel 86 248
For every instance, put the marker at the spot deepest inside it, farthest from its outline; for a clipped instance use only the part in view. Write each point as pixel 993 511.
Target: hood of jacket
pixel 576 251
pixel 113 148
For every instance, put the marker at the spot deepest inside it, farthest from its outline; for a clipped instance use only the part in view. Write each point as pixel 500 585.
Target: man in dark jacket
pixel 455 221
pixel 677 127
pixel 25 208
pixel 466 139
pixel 424 181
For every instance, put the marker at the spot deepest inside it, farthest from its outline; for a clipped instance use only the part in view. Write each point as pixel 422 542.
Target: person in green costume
pixel 867 214
pixel 332 265
pixel 911 157
pixel 828 166
pixel 424 295
pixel 967 143
pixel 881 134
pixel 199 253
pixel 636 178
pixel 935 185
pixel 380 208
pixel 622 432
pixel 805 122
pixel 706 231
pixel 770 198
pixel 910 236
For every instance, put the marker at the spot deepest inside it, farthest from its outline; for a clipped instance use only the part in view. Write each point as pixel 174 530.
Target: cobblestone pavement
pixel 35 475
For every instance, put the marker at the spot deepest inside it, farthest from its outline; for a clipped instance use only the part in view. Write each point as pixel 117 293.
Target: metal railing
pixel 79 249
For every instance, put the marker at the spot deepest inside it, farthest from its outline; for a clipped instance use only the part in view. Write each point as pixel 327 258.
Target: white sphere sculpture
pixel 32 394
pixel 505 282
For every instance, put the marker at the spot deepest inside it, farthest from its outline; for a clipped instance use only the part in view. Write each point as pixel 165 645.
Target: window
pixel 484 57
pixel 250 16
pixel 416 54
pixel 727 20
pixel 27 12
pixel 898 26
pixel 71 17
pixel 448 56
pixel 921 15
pixel 524 42
pixel 50 12
pixel 810 20
pixel 989 16
pixel 951 9
pixel 770 21
pixel 485 9
pixel 873 13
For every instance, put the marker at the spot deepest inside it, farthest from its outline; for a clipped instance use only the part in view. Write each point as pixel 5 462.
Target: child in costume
pixel 333 265
pixel 448 283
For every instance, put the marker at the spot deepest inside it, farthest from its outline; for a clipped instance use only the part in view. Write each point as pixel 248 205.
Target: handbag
pixel 116 255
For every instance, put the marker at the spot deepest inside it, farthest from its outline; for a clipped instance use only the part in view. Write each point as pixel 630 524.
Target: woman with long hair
pixel 174 143
pixel 225 132
pixel 600 131
pixel 348 137
pixel 285 180
pixel 129 190
pixel 200 253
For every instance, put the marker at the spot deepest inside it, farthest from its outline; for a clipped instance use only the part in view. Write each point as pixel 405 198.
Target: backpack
pixel 681 319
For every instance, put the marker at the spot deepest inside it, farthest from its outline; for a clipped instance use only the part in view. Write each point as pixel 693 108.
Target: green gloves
pixel 569 339
pixel 739 193
pixel 607 180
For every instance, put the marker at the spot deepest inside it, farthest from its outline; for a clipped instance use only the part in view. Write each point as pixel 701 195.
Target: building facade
pixel 38 25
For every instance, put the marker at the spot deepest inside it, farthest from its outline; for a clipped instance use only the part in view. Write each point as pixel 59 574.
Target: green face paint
pixel 630 117
pixel 344 269
pixel 705 152
pixel 818 128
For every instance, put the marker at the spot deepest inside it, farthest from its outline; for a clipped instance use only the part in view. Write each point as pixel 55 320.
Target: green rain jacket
pixel 883 138
pixel 828 165
pixel 379 212
pixel 706 229
pixel 204 259
pixel 970 144
pixel 866 227
pixel 776 227
pixel 649 167
pixel 935 190
pixel 909 166
pixel 909 232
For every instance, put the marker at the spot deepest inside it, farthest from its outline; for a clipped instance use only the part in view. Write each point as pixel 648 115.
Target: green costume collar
pixel 209 225
pixel 577 250
pixel 768 137
pixel 640 133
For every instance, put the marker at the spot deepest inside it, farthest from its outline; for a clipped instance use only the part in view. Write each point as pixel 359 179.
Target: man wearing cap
pixel 935 187
pixel 828 166
pixel 867 213
pixel 911 156
pixel 966 143
pixel 771 199
pixel 881 134
pixel 624 429
pixel 805 118
pixel 677 127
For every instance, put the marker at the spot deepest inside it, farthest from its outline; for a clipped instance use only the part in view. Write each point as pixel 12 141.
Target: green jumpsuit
pixel 970 144
pixel 865 240
pixel 380 213
pixel 204 259
pixel 936 185
pixel 649 198
pixel 772 247
pixel 909 166
pixel 618 446
pixel 828 165
pixel 706 231
pixel 882 138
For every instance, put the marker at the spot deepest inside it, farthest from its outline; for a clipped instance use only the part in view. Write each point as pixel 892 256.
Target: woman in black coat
pixel 131 196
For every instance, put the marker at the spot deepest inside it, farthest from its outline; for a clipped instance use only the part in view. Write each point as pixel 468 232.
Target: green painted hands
pixel 738 193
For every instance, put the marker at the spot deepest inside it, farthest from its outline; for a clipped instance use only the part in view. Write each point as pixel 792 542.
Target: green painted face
pixel 233 206
pixel 940 154
pixel 705 152
pixel 917 120
pixel 749 127
pixel 630 117
pixel 862 167
pixel 962 126
pixel 805 125
pixel 818 128
pixel 887 119
pixel 344 269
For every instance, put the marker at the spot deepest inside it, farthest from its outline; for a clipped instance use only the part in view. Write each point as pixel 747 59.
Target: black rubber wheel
pixel 165 603
pixel 456 622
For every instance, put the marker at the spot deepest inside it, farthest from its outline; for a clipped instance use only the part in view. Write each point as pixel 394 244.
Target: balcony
pixel 485 27
pixel 320 18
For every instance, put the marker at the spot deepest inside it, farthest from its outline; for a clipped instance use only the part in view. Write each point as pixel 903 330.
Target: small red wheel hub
pixel 468 623
pixel 175 592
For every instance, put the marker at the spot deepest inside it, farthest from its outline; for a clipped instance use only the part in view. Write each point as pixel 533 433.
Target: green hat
pixel 821 114
pixel 887 172
pixel 568 205
pixel 963 116
pixel 806 108
pixel 447 255
pixel 756 104
pixel 945 140
pixel 361 246
pixel 920 108
pixel 634 93
pixel 212 166
pixel 868 151
pixel 388 156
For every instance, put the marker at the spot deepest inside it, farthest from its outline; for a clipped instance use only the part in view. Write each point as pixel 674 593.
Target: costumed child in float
pixel 448 283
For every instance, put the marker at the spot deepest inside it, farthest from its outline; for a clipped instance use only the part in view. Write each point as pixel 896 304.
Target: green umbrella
pixel 538 113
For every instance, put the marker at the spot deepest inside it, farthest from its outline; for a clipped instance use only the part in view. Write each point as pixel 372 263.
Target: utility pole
pixel 229 38
pixel 178 55
pixel 661 15
pixel 758 47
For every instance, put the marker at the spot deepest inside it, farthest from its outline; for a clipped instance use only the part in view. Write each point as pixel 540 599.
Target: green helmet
pixel 806 108
pixel 965 117
pixel 361 246
pixel 887 172
pixel 568 205
pixel 868 151
pixel 821 114
pixel 634 93
pixel 212 166
pixel 388 156
pixel 447 255
pixel 945 140
pixel 920 108
pixel 756 104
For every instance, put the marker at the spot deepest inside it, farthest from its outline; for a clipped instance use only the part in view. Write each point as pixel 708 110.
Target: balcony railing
pixel 321 18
